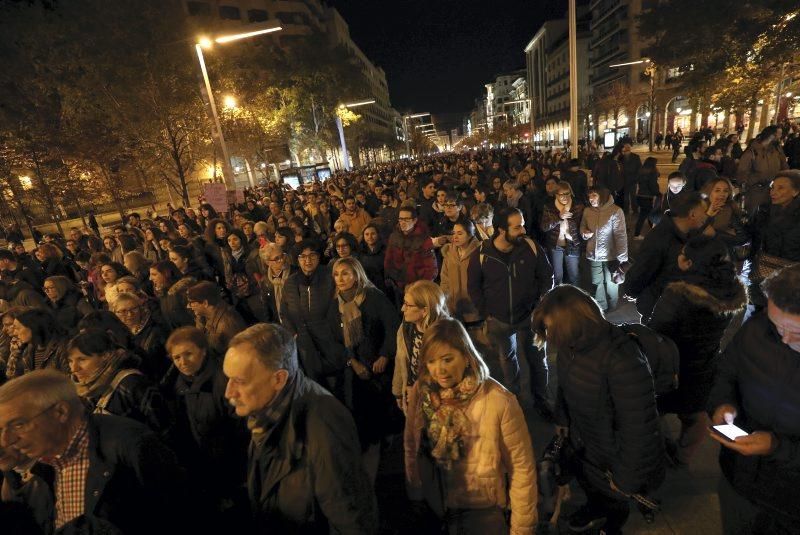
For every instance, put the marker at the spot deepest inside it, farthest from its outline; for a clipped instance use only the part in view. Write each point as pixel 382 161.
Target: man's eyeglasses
pixel 310 256
pixel 405 219
pixel 21 425
pixel 127 311
pixel 451 205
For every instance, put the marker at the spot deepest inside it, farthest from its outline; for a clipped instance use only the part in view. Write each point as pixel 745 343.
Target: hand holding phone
pixel 729 431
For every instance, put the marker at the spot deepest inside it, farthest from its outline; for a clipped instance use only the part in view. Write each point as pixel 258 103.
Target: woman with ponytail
pixel 694 311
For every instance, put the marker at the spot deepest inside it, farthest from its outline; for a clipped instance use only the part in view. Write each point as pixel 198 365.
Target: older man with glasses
pixel 107 473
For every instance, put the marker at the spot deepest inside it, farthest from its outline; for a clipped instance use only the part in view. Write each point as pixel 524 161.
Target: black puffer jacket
pixel 69 310
pixel 655 265
pixel 695 320
pixel 760 376
pixel 607 398
pixel 307 306
pixel 150 341
pixel 372 262
pixel 777 230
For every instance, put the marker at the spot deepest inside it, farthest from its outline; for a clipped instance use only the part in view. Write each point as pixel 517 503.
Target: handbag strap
pixel 102 403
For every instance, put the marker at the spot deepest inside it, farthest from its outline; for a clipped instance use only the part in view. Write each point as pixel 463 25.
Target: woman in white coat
pixel 468 452
pixel 603 228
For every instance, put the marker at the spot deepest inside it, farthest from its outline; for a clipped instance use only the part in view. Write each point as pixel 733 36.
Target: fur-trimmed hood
pixel 702 297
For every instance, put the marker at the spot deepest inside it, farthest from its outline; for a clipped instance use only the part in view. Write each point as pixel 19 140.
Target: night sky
pixel 437 54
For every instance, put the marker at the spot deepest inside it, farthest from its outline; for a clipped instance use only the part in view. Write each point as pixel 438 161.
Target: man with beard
pixel 506 278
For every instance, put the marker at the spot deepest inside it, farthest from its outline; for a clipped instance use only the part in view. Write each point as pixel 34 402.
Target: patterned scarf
pixel 350 309
pixel 445 420
pixel 277 284
pixel 97 385
pixel 263 422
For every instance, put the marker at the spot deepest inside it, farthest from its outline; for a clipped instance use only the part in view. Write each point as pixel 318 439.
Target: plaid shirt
pixel 71 468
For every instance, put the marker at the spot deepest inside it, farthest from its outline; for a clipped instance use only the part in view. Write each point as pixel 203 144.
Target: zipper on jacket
pixel 309 298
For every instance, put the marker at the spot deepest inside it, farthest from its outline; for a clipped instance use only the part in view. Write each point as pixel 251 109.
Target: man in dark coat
pixel 656 264
pixel 120 477
pixel 506 277
pixel 608 174
pixel 307 304
pixel 630 163
pixel 304 473
pixel 757 388
pixel 578 181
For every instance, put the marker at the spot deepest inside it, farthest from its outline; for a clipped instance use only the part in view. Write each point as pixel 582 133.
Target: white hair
pixel 42 389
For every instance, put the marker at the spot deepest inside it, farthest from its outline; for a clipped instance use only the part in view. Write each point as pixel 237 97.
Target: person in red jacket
pixel 409 255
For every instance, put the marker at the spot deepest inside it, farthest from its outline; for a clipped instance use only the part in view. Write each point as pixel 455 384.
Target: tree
pixel 616 100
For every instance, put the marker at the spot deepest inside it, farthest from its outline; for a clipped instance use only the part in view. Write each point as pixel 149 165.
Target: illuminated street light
pixel 340 127
pixel 229 102
pixel 206 43
pixel 637 62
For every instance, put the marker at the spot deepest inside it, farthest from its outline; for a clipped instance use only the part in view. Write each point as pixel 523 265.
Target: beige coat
pixel 400 377
pixel 498 469
pixel 453 280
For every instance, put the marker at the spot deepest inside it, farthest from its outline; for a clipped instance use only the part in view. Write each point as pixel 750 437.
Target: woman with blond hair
pixel 364 323
pixel 423 303
pixel 468 452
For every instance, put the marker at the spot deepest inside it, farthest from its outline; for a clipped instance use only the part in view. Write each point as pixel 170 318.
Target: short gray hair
pixel 42 389
pixel 274 345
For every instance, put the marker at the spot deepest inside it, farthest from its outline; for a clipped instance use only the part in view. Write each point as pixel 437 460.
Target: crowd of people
pixel 254 366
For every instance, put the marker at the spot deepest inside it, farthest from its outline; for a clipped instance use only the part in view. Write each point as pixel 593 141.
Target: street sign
pixel 217 196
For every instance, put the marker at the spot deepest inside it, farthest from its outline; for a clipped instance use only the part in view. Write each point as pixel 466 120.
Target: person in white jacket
pixel 603 228
pixel 468 452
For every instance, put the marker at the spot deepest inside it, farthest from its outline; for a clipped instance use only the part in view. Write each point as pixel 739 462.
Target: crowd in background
pixel 264 358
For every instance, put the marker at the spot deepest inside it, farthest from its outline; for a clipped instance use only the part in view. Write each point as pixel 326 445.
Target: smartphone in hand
pixel 729 431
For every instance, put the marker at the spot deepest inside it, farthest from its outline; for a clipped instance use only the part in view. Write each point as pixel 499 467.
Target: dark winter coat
pixel 372 262
pixel 54 266
pixel 508 289
pixel 305 476
pixel 409 257
pixel 655 265
pixel 695 320
pixel 760 376
pixel 307 306
pixel 647 180
pixel 173 303
pixel 224 324
pixel 150 341
pixel 133 479
pixel 372 399
pixel 69 310
pixel 607 398
pixel 777 230
pixel 607 173
pixel 551 226
pixel 212 441
pixel 630 166
pixel 138 398
pixel 579 183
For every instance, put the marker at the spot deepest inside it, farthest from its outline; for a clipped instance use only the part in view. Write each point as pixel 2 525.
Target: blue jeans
pixel 605 291
pixel 505 341
pixel 559 257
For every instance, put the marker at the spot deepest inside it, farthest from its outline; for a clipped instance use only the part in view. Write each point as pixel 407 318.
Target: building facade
pixel 547 64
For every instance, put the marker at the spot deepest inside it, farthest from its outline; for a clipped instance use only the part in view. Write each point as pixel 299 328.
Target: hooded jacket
pixel 453 280
pixel 508 287
pixel 694 315
pixel 610 239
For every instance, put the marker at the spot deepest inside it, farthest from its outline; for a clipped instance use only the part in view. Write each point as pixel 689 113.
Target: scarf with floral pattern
pixel 445 420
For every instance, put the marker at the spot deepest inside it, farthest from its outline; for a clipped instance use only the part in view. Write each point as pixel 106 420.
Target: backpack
pixel 661 354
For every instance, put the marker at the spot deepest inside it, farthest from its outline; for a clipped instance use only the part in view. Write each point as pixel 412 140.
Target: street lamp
pixel 340 127
pixel 229 102
pixel 650 71
pixel 405 128
pixel 207 43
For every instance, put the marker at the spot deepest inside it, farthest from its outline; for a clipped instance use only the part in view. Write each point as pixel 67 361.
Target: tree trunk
pixel 48 197
pixel 763 120
pixel 751 124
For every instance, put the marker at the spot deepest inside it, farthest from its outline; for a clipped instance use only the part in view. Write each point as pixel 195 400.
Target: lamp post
pixel 650 70
pixel 340 127
pixel 207 43
pixel 405 129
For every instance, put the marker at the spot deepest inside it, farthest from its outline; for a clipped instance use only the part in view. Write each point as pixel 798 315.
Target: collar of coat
pixel 701 297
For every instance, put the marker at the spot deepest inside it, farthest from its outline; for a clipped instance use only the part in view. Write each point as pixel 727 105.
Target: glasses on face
pixel 276 259
pixel 451 205
pixel 409 305
pixel 342 246
pixel 46 288
pixel 127 311
pixel 307 257
pixel 405 219
pixel 22 425
pixel 564 195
